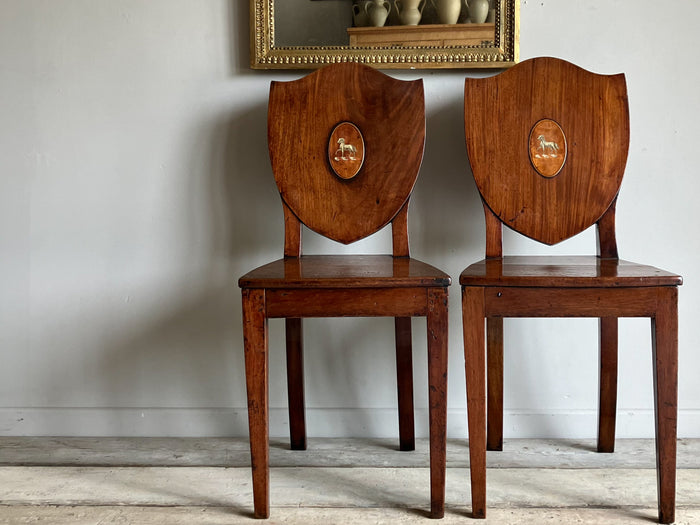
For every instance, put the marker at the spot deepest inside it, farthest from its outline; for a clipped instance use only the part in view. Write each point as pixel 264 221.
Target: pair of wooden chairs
pixel 547 142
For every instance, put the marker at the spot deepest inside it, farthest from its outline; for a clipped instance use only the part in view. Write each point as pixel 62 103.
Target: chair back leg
pixel 295 383
pixel 404 382
pixel 494 377
pixel 607 384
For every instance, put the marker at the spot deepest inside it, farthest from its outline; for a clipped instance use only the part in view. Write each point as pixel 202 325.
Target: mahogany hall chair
pixel 346 143
pixel 547 142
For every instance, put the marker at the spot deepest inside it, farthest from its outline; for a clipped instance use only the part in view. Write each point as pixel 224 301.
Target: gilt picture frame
pixel 417 53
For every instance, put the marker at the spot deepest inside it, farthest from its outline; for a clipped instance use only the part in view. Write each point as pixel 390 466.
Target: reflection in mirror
pixel 405 34
pixel 312 23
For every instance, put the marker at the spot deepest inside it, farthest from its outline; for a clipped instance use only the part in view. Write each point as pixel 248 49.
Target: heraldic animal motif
pixel 343 148
pixel 546 146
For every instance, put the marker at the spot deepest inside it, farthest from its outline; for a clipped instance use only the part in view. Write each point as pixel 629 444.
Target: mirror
pixel 307 34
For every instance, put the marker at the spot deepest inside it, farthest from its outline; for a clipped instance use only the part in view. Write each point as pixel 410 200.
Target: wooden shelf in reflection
pixel 440 35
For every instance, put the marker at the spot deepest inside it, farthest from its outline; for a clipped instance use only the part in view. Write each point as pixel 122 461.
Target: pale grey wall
pixel 135 189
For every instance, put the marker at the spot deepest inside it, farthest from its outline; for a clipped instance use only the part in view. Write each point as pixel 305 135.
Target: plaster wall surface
pixel 136 188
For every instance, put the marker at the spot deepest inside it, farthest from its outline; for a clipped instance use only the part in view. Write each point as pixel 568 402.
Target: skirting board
pixel 321 422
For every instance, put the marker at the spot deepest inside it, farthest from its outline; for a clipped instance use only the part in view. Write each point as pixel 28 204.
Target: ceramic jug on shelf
pixel 377 11
pixel 448 10
pixel 410 11
pixel 478 10
pixel 359 14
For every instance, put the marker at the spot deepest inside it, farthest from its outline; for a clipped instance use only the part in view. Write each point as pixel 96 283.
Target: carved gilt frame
pixel 265 55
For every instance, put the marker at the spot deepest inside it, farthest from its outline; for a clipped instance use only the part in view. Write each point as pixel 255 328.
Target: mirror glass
pixel 405 34
pixel 312 23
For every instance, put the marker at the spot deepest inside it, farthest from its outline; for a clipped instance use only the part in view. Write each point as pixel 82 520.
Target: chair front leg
pixel 404 382
pixel 295 383
pixel 475 365
pixel 437 397
pixel 255 343
pixel 665 354
pixel 494 363
pixel 607 384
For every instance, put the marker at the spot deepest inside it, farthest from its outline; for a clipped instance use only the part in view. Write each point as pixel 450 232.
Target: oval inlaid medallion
pixel 346 150
pixel 547 148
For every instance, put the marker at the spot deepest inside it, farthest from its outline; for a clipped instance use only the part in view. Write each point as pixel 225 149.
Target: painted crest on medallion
pixel 548 149
pixel 346 150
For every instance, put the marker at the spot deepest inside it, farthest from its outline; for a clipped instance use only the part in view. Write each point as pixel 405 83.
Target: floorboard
pixel 328 452
pixel 168 480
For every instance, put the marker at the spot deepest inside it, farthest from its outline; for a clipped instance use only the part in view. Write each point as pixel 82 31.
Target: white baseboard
pixel 321 422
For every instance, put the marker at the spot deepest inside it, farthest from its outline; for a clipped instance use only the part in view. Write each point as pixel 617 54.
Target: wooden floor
pixel 190 481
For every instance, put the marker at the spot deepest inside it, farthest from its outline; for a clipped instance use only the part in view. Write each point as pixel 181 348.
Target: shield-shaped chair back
pixel 547 143
pixel 346 143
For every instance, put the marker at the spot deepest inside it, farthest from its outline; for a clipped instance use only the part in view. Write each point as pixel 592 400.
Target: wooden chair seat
pixel 345 271
pixel 564 272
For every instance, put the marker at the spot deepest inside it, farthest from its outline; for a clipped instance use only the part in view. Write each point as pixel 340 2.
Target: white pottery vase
pixel 410 11
pixel 478 10
pixel 448 10
pixel 359 15
pixel 377 11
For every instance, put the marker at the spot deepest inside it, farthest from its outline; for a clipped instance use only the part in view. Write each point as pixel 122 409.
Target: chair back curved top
pixel 346 144
pixel 547 143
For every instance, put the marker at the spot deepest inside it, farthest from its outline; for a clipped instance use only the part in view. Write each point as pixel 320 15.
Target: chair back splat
pixel 548 144
pixel 374 130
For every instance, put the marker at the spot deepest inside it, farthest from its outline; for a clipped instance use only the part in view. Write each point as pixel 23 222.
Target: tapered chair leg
pixel 404 382
pixel 665 354
pixel 255 342
pixel 437 397
pixel 475 364
pixel 494 363
pixel 607 384
pixel 295 383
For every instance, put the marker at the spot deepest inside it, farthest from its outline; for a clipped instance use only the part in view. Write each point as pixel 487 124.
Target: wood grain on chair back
pixel 547 143
pixel 345 181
